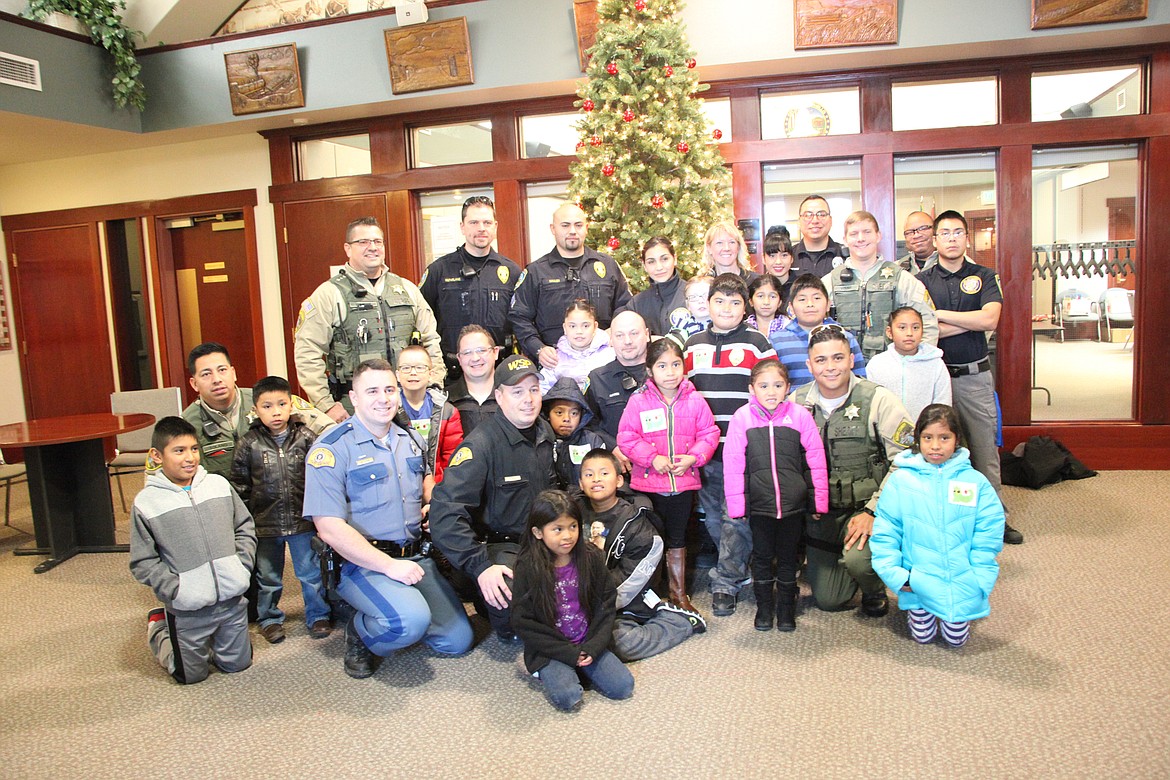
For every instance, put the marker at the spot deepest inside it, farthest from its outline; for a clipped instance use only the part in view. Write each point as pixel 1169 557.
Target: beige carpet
pixel 1089 380
pixel 1067 678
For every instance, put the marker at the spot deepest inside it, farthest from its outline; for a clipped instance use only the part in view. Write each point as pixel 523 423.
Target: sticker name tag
pixel 653 420
pixel 577 453
pixel 704 358
pixel 961 493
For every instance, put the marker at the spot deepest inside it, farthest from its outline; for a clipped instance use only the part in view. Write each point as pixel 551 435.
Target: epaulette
pixel 336 432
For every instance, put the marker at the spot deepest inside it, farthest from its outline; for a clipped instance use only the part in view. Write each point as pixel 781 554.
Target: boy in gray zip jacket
pixel 193 542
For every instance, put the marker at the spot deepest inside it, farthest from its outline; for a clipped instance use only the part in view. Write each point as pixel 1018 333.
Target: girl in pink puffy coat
pixel 668 433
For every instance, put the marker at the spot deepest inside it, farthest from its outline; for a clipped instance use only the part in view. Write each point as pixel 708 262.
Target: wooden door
pixel 1122 227
pixel 981 229
pixel 314 232
pixel 61 329
pixel 210 261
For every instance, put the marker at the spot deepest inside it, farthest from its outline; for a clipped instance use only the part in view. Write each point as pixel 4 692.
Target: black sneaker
pixel 722 604
pixel 698 625
pixel 508 637
pixel 1011 535
pixel 875 605
pixel 360 663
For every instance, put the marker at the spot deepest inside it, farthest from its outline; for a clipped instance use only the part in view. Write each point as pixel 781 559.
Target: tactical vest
pixel 857 462
pixel 862 308
pixel 372 326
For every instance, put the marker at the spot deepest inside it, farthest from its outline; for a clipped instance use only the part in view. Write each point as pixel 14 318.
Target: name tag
pixel 961 493
pixel 653 420
pixel 364 461
pixel 703 358
pixel 577 453
pixel 516 478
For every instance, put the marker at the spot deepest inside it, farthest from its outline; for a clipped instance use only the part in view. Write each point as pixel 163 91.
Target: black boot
pixel 359 661
pixel 765 604
pixel 786 593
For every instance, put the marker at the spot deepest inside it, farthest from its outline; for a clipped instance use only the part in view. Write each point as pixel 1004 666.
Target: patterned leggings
pixel 924 628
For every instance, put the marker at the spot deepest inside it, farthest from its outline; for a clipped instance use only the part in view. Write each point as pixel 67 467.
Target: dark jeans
pixel 610 678
pixel 775 547
pixel 502 553
pixel 675 513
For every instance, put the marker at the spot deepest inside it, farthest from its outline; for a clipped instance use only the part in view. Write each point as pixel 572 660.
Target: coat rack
pixel 1101 258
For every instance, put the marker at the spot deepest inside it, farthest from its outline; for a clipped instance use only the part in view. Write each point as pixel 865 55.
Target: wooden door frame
pixel 170 360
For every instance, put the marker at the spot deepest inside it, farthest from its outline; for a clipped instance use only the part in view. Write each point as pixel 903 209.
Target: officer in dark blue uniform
pixel 610 386
pixel 364 492
pixel 570 271
pixel 473 284
pixel 500 467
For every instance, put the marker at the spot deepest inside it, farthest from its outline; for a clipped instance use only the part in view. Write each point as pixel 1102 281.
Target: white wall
pixel 179 170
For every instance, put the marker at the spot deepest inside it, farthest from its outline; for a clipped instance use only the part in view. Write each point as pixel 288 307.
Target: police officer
pixel 473 393
pixel 866 289
pixel 223 411
pixel 363 312
pixel 500 468
pixel 610 386
pixel 864 426
pixel 364 492
pixel 570 271
pixel 816 253
pixel 919 234
pixel 970 302
pixel 472 284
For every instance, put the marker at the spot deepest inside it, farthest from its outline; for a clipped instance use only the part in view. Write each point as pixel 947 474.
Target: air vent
pixel 20 71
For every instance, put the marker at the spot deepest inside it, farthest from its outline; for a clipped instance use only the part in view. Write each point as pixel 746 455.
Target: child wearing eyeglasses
pixel 810 311
pixel 428 412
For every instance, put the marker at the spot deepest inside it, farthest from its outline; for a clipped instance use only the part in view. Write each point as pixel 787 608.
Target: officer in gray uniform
pixel 919 234
pixel 364 491
pixel 499 469
pixel 363 312
pixel 864 426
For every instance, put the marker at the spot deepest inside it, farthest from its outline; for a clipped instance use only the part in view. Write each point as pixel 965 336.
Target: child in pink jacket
pixel 668 433
pixel 773 472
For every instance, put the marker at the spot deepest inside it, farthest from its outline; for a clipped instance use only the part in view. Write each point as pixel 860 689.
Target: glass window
pixel 549 135
pixel 718 110
pixel 786 185
pixel 441 212
pixel 466 142
pixel 962 182
pixel 1085 263
pixel 541 201
pixel 328 158
pixel 968 102
pixel 1076 94
pixel 804 114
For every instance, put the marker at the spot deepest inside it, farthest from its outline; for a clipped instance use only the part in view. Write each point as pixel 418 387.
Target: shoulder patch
pixel 523 276
pixel 462 454
pixel 306 307
pixel 423 279
pixel 321 458
pixel 301 403
pixel 904 435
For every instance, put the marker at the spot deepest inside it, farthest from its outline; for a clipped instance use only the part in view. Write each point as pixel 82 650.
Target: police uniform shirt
pixel 375 485
pixel 471 411
pixel 462 289
pixel 909 290
pixel 970 288
pixel 547 287
pixel 320 313
pixel 607 391
pixel 218 433
pixel 663 306
pixel 805 261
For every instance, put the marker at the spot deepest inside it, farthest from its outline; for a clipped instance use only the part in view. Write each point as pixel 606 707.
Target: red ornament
pixel 669 71
pixel 691 62
pixel 588 105
pixel 611 68
pixel 595 140
pixel 640 5
pixel 657 201
pixel 628 115
pixel 608 169
pixel 614 243
pixel 580 145
pixel 683 147
pixel 716 133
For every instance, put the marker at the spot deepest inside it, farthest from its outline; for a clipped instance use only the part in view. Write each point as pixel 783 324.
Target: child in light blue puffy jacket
pixel 938 527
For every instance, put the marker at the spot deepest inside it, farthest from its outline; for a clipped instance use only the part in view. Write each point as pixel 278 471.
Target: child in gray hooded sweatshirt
pixel 909 368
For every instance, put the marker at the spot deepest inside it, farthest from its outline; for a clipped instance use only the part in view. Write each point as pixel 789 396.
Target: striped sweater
pixel 719 365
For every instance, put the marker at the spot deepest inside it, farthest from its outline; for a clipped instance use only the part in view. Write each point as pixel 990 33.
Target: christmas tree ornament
pixel 669 71
pixel 608 169
pixel 595 140
pixel 611 68
pixel 588 105
pixel 614 243
pixel 683 147
pixel 691 63
pixel 657 201
pixel 628 115
pixel 716 133
pixel 639 5
pixel 580 145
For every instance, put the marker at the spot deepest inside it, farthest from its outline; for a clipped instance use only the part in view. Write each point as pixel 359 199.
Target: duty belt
pixel 496 537
pixel 408 550
pixel 965 369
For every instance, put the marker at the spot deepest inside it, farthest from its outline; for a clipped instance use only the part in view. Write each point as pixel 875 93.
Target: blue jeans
pixel 713 499
pixel 610 677
pixel 392 615
pixel 270 577
pixel 735 549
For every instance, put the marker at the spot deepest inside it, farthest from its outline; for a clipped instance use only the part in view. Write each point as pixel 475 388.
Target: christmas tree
pixel 648 162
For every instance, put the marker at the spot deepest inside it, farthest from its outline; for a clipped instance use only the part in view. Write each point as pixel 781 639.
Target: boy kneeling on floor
pixel 624 532
pixel 193 542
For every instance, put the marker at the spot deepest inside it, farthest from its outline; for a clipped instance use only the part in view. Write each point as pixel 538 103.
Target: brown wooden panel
pixel 60 313
pixel 511 236
pixel 1015 93
pixel 388 146
pixel 315 234
pixel 745 115
pixel 877 188
pixel 210 203
pixel 1152 304
pixel 748 190
pixel 505 136
pixel 1014 231
pixel 877 109
pixel 403 234
pixel 1103 445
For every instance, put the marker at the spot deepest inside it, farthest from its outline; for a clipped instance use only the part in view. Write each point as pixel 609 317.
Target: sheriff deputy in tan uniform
pixel 362 313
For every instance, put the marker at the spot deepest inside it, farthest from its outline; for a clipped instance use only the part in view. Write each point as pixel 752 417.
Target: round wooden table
pixel 68 485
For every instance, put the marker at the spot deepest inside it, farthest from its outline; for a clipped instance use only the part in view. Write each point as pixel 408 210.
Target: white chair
pixel 1115 309
pixel 131 453
pixel 10 474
